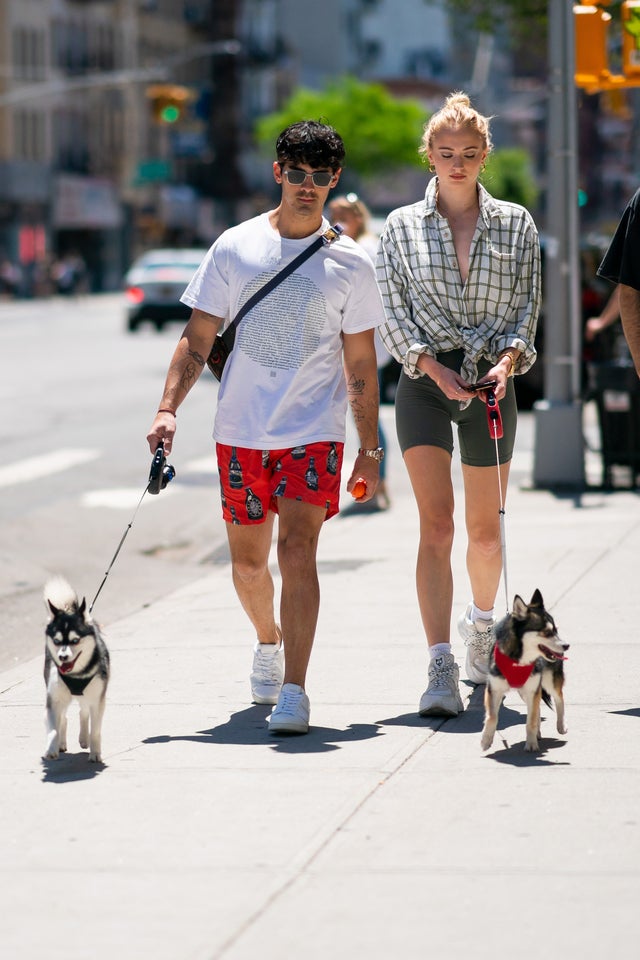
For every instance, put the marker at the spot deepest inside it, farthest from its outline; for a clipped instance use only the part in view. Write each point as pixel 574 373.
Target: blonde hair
pixel 351 203
pixel 456 112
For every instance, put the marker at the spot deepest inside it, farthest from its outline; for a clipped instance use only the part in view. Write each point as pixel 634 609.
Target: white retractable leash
pixel 494 419
pixel 160 475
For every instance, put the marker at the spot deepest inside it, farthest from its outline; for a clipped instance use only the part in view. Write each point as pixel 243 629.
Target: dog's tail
pixel 547 699
pixel 61 595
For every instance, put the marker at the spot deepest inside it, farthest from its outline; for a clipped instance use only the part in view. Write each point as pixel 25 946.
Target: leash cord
pixel 495 430
pixel 122 539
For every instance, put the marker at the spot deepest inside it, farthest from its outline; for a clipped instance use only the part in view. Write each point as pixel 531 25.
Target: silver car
pixel 154 284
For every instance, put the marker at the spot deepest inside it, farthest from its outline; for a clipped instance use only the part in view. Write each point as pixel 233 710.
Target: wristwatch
pixel 377 454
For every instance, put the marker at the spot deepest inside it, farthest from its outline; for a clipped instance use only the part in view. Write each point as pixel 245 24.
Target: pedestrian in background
pixel 621 265
pixel 460 278
pixel 301 355
pixel 352 213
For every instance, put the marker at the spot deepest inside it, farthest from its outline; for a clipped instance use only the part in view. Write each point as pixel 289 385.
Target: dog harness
pixel 77 684
pixel 516 674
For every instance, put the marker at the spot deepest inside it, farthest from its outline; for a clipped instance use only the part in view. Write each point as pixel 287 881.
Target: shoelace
pixel 289 701
pixel 265 667
pixel 441 675
pixel 480 640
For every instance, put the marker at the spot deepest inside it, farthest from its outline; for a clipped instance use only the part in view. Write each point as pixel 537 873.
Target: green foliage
pixel 380 132
pixel 508 176
pixel 488 15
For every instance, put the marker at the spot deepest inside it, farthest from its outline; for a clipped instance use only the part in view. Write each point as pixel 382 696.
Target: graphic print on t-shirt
pixel 283 330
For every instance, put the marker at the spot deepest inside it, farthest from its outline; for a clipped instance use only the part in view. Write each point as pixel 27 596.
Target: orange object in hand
pixel 359 489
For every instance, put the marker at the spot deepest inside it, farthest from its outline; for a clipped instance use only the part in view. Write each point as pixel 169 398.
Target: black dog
pixel 76 665
pixel 527 655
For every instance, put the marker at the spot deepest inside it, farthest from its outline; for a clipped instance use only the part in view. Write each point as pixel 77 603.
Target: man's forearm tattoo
pixel 190 373
pixel 355 389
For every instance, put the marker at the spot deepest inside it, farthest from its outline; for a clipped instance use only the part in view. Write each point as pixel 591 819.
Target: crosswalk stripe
pixel 33 468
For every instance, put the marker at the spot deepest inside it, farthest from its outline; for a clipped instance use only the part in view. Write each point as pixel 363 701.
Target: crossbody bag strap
pixel 327 238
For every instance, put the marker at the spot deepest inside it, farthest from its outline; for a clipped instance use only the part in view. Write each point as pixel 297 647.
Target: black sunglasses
pixel 321 178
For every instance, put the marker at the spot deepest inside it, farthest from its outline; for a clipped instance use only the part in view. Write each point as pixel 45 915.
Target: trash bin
pixel 615 388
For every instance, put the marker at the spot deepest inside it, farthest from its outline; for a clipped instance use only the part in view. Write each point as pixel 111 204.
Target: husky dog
pixel 527 655
pixel 76 664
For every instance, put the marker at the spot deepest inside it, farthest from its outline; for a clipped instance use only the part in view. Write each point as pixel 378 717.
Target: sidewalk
pixel 379 834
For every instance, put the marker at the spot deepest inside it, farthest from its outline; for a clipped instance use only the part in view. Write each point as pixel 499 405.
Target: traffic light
pixel 592 60
pixel 631 38
pixel 169 102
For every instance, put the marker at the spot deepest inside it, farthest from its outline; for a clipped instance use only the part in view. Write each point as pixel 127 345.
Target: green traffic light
pixel 170 113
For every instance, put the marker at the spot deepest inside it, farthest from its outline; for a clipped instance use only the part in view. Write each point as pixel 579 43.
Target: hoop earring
pixel 432 168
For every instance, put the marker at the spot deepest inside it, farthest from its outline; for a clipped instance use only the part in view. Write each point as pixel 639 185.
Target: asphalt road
pixel 77 395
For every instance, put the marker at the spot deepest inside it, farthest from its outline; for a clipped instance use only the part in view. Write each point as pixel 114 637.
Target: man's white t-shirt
pixel 284 383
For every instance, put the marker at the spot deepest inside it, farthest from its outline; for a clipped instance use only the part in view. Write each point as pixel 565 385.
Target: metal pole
pixel 559 446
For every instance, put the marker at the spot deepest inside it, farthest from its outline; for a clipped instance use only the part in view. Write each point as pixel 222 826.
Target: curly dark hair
pixel 311 142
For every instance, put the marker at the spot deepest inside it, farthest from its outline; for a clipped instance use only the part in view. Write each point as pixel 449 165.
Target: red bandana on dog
pixel 516 674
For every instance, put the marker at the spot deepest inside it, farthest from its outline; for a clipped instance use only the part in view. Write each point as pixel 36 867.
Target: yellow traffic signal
pixel 631 38
pixel 592 60
pixel 168 101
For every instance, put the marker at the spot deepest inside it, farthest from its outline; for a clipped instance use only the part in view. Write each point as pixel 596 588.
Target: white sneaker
pixel 442 696
pixel 267 673
pixel 478 638
pixel 291 714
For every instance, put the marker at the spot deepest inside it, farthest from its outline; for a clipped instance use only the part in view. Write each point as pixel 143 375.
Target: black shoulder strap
pixel 327 238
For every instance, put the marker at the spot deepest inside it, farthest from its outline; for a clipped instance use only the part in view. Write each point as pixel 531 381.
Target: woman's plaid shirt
pixel 429 309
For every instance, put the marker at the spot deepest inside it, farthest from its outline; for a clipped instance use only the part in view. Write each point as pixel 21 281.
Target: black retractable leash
pixel 160 475
pixel 494 420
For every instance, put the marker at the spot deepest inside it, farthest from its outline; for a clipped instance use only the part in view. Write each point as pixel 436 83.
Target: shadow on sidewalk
pixel 515 755
pixel 470 720
pixel 248 728
pixel 70 768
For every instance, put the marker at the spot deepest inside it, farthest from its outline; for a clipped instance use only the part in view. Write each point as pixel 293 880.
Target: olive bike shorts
pixel 425 417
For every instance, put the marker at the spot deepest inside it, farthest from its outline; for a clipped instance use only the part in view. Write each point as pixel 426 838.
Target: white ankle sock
pixel 478 614
pixel 439 649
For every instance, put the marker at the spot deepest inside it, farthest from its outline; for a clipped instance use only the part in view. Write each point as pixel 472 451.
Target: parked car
pixel 154 284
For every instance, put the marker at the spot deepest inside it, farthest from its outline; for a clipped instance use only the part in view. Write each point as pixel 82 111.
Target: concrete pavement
pixel 378 834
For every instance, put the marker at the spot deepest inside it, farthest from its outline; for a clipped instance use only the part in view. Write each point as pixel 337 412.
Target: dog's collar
pixel 516 674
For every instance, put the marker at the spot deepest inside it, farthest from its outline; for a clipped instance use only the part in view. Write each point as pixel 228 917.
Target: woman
pixel 460 277
pixel 353 214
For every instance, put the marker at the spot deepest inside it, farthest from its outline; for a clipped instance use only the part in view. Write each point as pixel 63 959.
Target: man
pixel 299 355
pixel 621 264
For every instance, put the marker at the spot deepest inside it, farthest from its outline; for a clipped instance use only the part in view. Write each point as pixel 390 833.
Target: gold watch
pixel 377 454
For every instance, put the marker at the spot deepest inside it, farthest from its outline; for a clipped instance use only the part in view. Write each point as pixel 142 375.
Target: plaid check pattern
pixel 429 309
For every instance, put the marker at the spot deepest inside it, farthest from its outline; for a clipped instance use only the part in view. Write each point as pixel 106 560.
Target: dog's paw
pixel 84 742
pixel 95 758
pixel 562 728
pixel 531 746
pixel 52 755
pixel 485 743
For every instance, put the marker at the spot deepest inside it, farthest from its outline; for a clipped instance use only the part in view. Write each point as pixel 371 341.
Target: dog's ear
pixel 54 610
pixel 536 599
pixel 519 608
pixel 82 607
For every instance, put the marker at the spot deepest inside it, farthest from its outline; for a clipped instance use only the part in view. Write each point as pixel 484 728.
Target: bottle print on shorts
pixel 235 471
pixel 332 460
pixel 298 453
pixel 311 476
pixel 234 515
pixel 265 459
pixel 279 491
pixel 253 505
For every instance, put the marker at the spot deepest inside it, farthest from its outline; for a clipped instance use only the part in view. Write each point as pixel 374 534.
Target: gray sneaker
pixel 442 696
pixel 267 673
pixel 478 638
pixel 291 714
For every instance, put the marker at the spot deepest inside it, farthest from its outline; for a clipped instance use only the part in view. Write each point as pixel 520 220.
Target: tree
pixel 508 176
pixel 521 16
pixel 380 131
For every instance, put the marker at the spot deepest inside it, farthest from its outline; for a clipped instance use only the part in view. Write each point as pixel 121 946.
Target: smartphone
pixel 485 385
